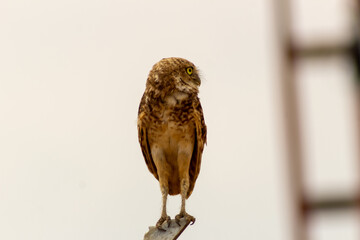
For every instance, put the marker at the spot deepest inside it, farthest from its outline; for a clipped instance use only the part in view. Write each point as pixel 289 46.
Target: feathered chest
pixel 175 110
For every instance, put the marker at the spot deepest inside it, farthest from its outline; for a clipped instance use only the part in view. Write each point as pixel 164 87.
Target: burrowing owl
pixel 172 130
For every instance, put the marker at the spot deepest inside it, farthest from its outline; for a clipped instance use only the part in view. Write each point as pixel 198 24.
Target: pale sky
pixel 72 75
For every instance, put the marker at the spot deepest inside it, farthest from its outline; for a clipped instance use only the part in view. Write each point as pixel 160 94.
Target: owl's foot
pixel 162 220
pixel 187 217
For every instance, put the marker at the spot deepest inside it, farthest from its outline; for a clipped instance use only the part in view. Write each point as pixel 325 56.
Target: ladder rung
pixel 330 204
pixel 322 50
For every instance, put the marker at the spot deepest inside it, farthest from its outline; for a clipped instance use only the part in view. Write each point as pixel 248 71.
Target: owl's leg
pixel 183 213
pixel 162 170
pixel 184 164
pixel 164 217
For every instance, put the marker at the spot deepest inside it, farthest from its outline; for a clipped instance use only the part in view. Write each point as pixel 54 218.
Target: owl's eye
pixel 189 70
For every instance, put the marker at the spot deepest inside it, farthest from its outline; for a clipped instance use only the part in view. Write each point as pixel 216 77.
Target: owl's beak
pixel 196 79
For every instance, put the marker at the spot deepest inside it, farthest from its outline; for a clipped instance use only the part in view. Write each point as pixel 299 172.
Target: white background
pixel 72 75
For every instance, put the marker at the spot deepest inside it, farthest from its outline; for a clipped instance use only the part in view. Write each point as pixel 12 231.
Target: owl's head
pixel 174 74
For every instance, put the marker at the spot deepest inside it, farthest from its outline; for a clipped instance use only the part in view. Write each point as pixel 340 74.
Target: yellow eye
pixel 189 70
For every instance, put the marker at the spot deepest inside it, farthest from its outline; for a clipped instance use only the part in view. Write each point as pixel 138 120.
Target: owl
pixel 172 130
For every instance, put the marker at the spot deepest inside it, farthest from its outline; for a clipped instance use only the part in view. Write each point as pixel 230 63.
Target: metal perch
pixel 171 233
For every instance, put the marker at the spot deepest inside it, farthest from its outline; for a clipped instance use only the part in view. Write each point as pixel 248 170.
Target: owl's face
pixel 175 74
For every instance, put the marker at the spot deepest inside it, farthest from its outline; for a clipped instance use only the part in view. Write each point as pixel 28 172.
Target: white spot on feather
pixel 175 98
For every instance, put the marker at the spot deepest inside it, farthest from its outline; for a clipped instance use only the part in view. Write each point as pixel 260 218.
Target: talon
pixel 192 221
pixel 187 216
pixel 168 220
pixel 161 229
pixel 177 219
pixel 161 221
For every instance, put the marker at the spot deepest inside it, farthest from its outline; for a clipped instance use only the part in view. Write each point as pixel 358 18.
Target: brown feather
pixel 144 143
pixel 200 140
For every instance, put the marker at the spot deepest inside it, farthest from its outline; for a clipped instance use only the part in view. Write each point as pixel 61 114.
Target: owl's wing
pixel 143 140
pixel 200 140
